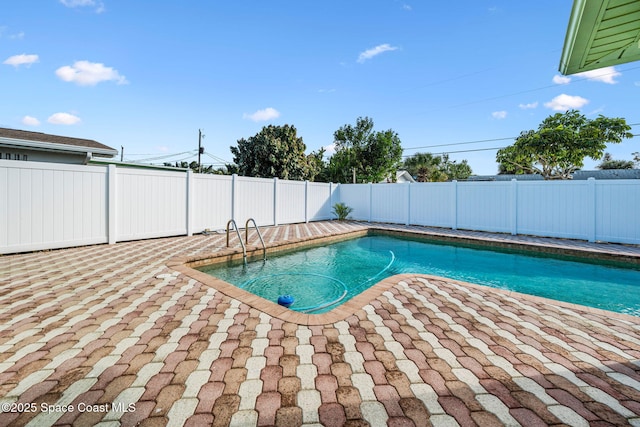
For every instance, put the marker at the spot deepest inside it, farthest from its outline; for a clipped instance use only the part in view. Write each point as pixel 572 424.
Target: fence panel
pixel 357 197
pixel 290 203
pixel 211 201
pixel 389 203
pixel 432 204
pixel 254 198
pixel 47 206
pixel 554 209
pixel 483 206
pixel 320 201
pixel 617 211
pixel 150 204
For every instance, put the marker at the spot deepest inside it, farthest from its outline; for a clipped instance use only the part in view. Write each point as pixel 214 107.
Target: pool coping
pixel 186 265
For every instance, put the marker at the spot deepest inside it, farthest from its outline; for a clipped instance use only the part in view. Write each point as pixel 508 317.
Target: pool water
pixel 320 278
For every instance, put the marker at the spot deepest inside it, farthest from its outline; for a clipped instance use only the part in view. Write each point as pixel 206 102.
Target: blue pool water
pixel 318 276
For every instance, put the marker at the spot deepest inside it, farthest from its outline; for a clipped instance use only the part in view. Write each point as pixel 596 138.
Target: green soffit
pixel 601 33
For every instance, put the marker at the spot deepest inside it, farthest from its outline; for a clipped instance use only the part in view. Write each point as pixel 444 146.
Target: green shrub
pixel 342 211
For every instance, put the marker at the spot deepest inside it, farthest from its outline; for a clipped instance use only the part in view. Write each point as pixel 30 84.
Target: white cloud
pixel 605 75
pixel 30 121
pixel 566 102
pixel 561 80
pixel 370 53
pixel 499 115
pixel 23 59
pixel 529 106
pixel 84 3
pixel 63 119
pixel 262 115
pixel 15 36
pixel 406 6
pixel 77 3
pixel 85 73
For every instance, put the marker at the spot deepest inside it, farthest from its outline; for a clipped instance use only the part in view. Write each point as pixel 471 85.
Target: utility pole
pixel 121 153
pixel 200 149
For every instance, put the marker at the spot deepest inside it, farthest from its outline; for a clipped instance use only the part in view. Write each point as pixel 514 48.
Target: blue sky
pixel 148 75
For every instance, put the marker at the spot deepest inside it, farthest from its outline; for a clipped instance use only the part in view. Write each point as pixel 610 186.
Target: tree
pixel 510 169
pixel 455 170
pixel 609 163
pixel 426 167
pixel 561 143
pixel 275 151
pixel 372 155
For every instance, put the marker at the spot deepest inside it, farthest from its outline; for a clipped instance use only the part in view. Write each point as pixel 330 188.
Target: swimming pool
pixel 320 278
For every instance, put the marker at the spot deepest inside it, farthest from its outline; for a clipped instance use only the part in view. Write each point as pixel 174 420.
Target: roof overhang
pixel 58 148
pixel 601 33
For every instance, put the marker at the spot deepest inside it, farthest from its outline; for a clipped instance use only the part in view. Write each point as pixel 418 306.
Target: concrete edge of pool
pixel 187 265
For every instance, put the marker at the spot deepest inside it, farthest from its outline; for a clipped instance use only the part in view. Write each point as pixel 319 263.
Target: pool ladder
pixel 232 222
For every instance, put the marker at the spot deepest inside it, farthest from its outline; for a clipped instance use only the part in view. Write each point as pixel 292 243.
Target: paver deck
pixel 115 335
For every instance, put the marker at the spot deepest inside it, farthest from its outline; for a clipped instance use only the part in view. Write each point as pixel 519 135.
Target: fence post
pixel 275 200
pixel 408 184
pixel 189 207
pixel 306 201
pixel 112 211
pixel 592 219
pixel 233 195
pixel 514 206
pixel 330 199
pixel 454 205
pixel 370 201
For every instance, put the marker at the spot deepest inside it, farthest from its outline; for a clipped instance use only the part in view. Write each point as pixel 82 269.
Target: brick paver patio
pixel 112 335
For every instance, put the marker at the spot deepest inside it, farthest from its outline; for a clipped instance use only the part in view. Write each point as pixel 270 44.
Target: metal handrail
pixel 246 236
pixel 244 249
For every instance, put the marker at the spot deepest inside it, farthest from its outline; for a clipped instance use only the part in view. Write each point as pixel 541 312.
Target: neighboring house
pixel 42 147
pixel 402 176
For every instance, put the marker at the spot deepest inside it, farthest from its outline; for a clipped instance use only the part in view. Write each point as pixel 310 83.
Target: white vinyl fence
pixel 51 205
pixel 606 210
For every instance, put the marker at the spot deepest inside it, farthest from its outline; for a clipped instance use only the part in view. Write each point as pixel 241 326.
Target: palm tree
pixel 425 167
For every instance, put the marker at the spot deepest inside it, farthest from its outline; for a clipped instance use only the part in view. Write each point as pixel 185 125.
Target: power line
pixel 579 80
pixel 224 162
pixel 477 142
pixel 460 143
pixel 166 156
pixel 461 151
pixel 219 159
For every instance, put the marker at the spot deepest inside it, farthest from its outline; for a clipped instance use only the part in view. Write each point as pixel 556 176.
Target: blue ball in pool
pixel 285 300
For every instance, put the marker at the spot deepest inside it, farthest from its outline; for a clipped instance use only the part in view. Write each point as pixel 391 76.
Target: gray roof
pixel 39 137
pixel 577 175
pixel 528 177
pixel 608 174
